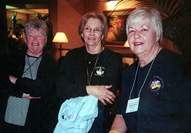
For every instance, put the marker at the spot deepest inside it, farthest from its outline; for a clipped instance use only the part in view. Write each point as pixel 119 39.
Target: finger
pixel 102 101
pixel 107 86
pixel 111 94
pixel 108 100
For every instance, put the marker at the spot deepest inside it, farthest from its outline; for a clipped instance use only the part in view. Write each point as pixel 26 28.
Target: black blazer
pixel 42 87
pixel 72 76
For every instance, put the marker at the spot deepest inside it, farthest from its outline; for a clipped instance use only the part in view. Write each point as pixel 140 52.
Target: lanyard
pixel 140 90
pixel 30 65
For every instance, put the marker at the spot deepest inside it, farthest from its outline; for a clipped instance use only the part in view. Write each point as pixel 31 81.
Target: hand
pixel 102 92
pixel 118 125
pixel 12 79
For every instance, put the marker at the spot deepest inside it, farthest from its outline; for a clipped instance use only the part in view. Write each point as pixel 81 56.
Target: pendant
pixel 100 71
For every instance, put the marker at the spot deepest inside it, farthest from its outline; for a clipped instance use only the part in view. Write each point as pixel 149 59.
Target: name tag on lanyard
pixel 132 105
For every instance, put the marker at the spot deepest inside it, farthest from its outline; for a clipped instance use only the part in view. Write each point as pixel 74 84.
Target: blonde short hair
pixel 99 16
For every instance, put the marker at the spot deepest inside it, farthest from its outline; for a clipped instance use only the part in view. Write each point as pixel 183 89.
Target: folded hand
pixel 102 92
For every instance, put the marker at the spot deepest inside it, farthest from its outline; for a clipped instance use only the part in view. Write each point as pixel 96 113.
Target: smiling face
pixel 141 36
pixel 35 40
pixel 93 33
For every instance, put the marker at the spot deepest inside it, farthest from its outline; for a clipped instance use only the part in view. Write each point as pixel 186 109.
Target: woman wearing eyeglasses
pixel 91 70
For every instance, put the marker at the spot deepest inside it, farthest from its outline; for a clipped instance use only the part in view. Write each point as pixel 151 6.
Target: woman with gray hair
pixel 29 83
pixel 150 99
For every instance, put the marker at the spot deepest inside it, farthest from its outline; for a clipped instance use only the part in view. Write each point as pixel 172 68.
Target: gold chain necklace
pixel 90 74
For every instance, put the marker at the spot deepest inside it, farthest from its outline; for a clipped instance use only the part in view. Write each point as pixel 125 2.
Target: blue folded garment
pixel 76 115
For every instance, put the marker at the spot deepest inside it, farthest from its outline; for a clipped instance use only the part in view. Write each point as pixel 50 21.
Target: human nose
pixel 92 31
pixel 137 34
pixel 35 37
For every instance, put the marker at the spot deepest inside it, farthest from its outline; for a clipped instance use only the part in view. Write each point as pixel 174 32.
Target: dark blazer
pixel 72 77
pixel 42 87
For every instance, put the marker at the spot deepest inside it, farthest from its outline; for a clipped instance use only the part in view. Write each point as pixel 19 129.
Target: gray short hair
pixel 36 24
pixel 150 13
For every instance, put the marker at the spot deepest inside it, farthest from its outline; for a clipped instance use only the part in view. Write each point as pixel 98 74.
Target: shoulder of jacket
pixel 113 53
pixel 75 51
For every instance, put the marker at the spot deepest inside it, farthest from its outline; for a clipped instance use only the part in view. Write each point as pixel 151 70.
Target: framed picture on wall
pixel 116 26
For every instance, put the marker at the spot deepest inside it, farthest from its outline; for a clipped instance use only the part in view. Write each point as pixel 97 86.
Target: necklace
pixel 90 74
pixel 92 60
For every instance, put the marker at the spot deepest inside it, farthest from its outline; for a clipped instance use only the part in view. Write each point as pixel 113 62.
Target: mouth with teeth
pixel 91 38
pixel 35 44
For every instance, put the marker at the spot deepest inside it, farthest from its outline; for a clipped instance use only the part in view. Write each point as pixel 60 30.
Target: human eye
pixel 97 30
pixel 30 36
pixel 144 29
pixel 86 29
pixel 40 37
pixel 130 30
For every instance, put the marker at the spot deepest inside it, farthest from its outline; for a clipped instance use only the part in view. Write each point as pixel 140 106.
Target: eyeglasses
pixel 91 30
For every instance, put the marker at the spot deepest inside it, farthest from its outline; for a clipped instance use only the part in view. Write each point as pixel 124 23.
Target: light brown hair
pixel 99 16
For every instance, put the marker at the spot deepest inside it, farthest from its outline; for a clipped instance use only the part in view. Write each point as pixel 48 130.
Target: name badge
pixel 132 105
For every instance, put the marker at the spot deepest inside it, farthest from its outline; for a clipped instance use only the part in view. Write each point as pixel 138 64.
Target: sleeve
pixel 116 83
pixel 42 85
pixel 66 85
pixel 180 104
pixel 114 64
pixel 114 76
pixel 114 69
